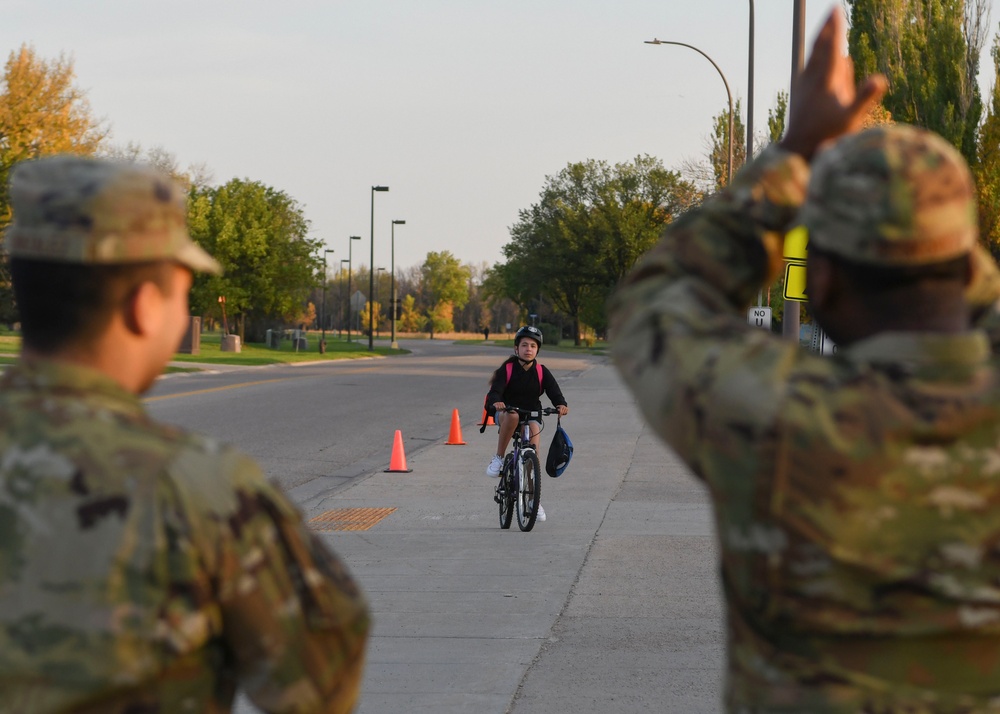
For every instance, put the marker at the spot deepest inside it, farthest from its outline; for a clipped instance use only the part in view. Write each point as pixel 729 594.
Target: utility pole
pixel 793 314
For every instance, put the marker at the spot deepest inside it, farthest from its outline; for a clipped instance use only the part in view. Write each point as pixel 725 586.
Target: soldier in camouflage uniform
pixel 142 568
pixel 856 497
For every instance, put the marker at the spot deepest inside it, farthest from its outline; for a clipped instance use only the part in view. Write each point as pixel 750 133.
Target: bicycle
pixel 520 486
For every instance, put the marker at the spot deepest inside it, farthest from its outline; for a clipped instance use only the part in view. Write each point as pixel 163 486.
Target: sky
pixel 461 107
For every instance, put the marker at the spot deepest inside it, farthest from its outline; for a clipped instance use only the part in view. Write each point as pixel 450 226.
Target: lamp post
pixel 793 312
pixel 340 298
pixel 750 91
pixel 371 273
pixel 350 269
pixel 322 308
pixel 749 156
pixel 729 95
pixel 393 344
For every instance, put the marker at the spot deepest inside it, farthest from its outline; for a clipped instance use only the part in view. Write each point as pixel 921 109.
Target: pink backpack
pixel 510 371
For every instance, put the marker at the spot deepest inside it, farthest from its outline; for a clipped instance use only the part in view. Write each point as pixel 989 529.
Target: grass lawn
pixel 257 354
pixel 252 354
pixel 10 347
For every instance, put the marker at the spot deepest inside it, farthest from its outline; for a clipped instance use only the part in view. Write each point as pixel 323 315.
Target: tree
pixel 475 315
pixel 197 175
pixel 719 154
pixel 439 317
pixel 709 173
pixel 591 223
pixel 987 168
pixel 366 315
pixel 445 287
pixel 306 316
pixel 776 117
pixel 410 319
pixel 445 279
pixel 42 112
pixel 502 310
pixel 259 235
pixel 929 50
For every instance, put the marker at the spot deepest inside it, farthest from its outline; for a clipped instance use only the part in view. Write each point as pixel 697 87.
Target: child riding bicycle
pixel 521 385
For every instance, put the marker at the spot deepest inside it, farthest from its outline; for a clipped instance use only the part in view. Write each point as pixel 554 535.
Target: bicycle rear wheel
pixel 506 491
pixel 529 490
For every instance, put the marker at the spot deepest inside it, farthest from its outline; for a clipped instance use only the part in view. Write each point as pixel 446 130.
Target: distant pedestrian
pixel 486 333
pixel 142 568
pixel 857 497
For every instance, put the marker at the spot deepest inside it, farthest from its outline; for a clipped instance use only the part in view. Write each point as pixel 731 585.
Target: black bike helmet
pixel 528 331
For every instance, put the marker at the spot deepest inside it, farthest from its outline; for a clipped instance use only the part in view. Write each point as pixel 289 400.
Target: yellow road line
pixel 217 389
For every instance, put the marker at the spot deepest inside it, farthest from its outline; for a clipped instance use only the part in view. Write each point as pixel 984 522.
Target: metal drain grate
pixel 348 519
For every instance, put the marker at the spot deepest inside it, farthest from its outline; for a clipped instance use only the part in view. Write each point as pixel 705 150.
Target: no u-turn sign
pixel 759 317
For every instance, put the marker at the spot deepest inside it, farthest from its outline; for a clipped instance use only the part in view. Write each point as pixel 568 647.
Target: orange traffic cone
pixel 455 436
pixel 487 420
pixel 397 464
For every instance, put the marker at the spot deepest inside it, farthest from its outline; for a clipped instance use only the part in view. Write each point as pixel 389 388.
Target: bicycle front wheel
pixel 506 491
pixel 529 489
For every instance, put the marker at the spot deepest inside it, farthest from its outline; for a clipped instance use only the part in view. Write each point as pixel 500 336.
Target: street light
pixel 393 344
pixel 749 156
pixel 792 319
pixel 340 297
pixel 729 166
pixel 350 269
pixel 322 309
pixel 750 91
pixel 371 272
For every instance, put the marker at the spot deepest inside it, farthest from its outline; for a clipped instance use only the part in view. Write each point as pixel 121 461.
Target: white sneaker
pixel 496 465
pixel 541 513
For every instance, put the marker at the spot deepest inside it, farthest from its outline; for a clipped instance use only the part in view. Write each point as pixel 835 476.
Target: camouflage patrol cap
pixel 892 195
pixel 77 209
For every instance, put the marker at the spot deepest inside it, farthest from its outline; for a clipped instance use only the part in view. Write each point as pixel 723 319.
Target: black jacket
pixel 522 390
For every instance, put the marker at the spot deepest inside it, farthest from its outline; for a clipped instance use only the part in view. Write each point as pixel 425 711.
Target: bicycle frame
pixel 522 435
pixel 511 493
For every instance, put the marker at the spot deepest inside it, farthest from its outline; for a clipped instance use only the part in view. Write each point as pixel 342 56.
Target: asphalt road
pixel 611 605
pixel 335 421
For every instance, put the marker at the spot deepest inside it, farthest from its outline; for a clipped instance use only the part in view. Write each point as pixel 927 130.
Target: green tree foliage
pixel 410 319
pixel 475 314
pixel 445 279
pixel 776 116
pixel 987 168
pixel 719 153
pixel 929 50
pixel 42 112
pixel 366 315
pixel 591 223
pixel 259 235
pixel 439 317
pixel 445 287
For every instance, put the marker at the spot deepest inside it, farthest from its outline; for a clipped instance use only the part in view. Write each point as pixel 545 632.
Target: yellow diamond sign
pixel 795 282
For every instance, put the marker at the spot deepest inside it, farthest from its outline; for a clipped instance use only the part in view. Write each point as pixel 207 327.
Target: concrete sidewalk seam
pixel 572 589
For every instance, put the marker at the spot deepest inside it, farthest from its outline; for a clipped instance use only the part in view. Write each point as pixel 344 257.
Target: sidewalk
pixel 611 605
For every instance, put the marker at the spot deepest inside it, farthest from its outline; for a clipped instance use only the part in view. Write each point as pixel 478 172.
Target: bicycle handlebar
pixel 523 413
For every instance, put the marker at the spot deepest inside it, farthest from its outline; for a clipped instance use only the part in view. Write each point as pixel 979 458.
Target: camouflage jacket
pixel 144 569
pixel 856 497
